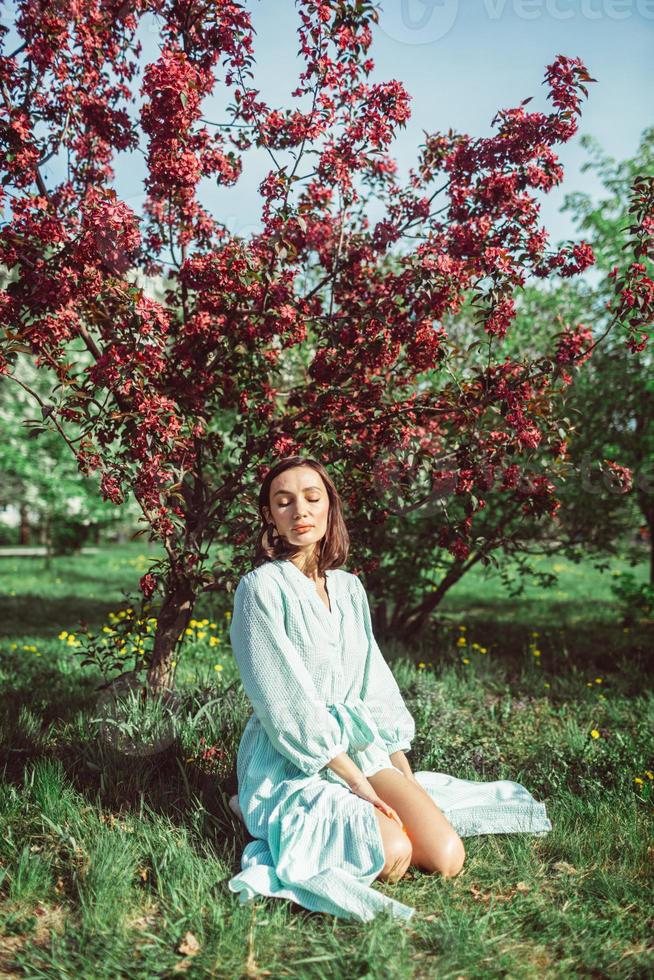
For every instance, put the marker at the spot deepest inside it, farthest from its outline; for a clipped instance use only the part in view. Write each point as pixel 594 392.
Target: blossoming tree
pixel 322 333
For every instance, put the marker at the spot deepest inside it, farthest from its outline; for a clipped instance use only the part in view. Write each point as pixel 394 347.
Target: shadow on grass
pixel 35 615
pixel 47 712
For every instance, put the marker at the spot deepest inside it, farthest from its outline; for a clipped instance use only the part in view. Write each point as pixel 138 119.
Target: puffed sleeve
pixel 380 690
pixel 276 681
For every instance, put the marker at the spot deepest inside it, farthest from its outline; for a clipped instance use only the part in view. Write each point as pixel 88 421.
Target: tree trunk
pixel 409 622
pixel 174 616
pixel 24 525
pixel 646 505
pixel 47 540
pixel 406 620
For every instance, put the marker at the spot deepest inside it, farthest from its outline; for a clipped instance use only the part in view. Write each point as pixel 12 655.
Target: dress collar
pixel 291 570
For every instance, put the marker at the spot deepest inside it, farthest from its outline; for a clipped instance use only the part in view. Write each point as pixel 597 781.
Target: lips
pixel 302 527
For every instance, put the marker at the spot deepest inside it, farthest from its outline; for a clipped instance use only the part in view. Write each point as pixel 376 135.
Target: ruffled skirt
pixel 318 844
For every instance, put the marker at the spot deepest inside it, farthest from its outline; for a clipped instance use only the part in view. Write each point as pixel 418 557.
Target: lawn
pixel 117 843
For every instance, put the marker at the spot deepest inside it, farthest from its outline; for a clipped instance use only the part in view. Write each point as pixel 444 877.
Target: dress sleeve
pixel 380 690
pixel 276 680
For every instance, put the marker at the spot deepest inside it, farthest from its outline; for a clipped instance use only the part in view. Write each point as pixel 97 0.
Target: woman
pixel 324 785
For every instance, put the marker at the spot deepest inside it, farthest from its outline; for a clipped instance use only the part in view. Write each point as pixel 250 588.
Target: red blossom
pixel 322 328
pixel 148 584
pixel 573 345
pixel 621 476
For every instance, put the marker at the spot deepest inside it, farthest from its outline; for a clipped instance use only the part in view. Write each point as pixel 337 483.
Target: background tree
pixel 59 507
pixel 612 402
pixel 305 337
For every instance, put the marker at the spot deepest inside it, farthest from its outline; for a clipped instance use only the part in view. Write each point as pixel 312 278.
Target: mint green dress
pixel 319 685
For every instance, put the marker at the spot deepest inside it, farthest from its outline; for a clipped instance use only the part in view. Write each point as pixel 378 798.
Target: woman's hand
pixel 363 788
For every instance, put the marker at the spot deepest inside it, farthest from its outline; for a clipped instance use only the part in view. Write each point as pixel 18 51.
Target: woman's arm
pixel 347 769
pixel 401 762
pixel 277 682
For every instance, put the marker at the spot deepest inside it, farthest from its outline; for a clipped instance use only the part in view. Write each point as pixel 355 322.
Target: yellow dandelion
pixel 193 622
pixel 188 631
pixel 421 665
pixel 217 666
pixel 462 642
pixel 594 733
pixel 173 663
pixel 213 641
pixel 483 649
pixel 465 660
pixel 13 646
pixel 649 774
pixel 228 614
pixel 63 634
pixel 598 680
pixel 535 633
pixel 107 629
pixel 463 628
pixel 589 684
pixel 545 684
pixel 201 634
pixel 213 626
pixel 536 653
pixel 639 781
pixel 204 622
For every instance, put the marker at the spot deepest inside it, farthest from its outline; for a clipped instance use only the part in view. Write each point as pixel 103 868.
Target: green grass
pixel 115 846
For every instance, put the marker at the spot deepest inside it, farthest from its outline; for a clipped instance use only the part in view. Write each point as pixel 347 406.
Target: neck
pixel 308 564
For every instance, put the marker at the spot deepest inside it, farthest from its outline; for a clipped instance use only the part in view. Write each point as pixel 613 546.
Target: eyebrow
pixel 291 492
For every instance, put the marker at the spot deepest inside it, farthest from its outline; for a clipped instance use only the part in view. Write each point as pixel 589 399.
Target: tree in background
pixel 612 402
pixel 59 507
pixel 315 335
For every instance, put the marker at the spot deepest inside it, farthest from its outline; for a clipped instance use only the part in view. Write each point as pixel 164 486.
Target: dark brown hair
pixel 333 547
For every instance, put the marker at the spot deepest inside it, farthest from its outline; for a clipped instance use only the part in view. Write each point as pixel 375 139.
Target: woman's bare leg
pixel 397 848
pixel 436 846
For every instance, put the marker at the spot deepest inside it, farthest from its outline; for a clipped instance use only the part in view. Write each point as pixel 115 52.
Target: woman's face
pixel 299 499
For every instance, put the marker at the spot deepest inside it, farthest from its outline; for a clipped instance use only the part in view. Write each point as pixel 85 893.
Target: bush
pixel 69 535
pixel 636 599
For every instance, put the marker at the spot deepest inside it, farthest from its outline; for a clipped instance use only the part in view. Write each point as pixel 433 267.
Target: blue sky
pixel 460 60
